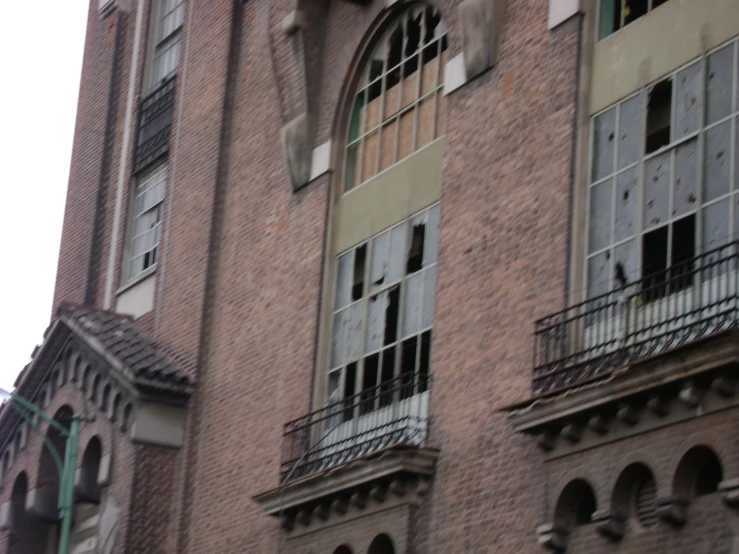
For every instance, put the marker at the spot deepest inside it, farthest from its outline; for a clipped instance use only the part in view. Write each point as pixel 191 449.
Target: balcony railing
pixel 391 413
pixel 669 308
pixel 155 123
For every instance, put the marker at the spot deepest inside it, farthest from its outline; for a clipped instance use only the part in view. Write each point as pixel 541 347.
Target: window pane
pixel 719 84
pixel 717 161
pixel 629 139
pixel 432 235
pixel 412 305
pixel 627 204
pixel 686 176
pixel 376 310
pixel 378 269
pixel 429 295
pixel 344 280
pixel 337 343
pixel 657 189
pixel 396 265
pixel 688 101
pixel 600 215
pixel 715 225
pixel 598 274
pixel 604 133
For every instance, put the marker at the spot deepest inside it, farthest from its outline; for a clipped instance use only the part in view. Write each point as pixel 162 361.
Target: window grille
pixel 147 221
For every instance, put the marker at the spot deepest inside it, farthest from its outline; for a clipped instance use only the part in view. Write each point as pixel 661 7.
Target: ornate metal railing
pixel 155 123
pixel 668 308
pixel 391 413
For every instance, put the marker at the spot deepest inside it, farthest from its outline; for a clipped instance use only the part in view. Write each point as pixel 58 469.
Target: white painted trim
pixel 561 10
pixel 321 162
pixel 454 74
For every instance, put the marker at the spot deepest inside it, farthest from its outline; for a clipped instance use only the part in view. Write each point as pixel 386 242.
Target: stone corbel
pixel 482 25
pixel 612 525
pixel 297 137
pixel 673 510
pixel 552 537
pixel 730 492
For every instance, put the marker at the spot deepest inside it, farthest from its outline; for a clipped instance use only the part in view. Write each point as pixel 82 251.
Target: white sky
pixel 40 61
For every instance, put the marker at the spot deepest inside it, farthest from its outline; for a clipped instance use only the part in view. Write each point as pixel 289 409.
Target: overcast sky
pixel 40 61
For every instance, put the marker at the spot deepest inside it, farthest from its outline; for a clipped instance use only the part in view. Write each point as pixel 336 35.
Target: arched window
pixel 635 495
pixel 698 473
pixel 575 505
pixel 88 488
pixel 400 106
pixel 381 544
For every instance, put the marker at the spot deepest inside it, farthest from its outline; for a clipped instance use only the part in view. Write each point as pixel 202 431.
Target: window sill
pixel 148 272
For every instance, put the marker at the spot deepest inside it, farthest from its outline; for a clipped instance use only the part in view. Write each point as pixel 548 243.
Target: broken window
pixel 169 15
pixel 381 333
pixel 659 115
pixel 147 220
pixel 400 106
pixel 662 194
pixel 615 14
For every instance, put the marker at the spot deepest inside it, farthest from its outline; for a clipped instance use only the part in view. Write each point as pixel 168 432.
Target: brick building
pixel 311 249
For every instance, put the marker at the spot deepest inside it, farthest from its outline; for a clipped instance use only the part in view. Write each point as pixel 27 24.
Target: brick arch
pixel 645 458
pixel 584 473
pixel 701 439
pixel 687 482
pixel 575 504
pixel 382 544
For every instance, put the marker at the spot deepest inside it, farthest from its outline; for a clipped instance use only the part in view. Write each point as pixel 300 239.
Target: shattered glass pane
pixel 604 133
pixel 656 190
pixel 686 176
pixel 412 305
pixel 600 216
pixel 625 264
pixel 687 110
pixel 378 269
pixel 715 225
pixel 396 265
pixel 719 84
pixel 627 202
pixel 432 235
pixel 344 280
pixel 376 307
pixel 333 395
pixel 717 161
pixel 599 274
pixel 429 290
pixel 337 343
pixel 629 135
pixel 354 332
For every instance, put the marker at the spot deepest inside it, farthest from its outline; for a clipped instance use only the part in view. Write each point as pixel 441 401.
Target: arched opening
pixel 399 106
pixel 343 549
pixel 698 473
pixel 575 505
pixel 381 544
pixel 20 523
pixel 635 495
pixel 87 485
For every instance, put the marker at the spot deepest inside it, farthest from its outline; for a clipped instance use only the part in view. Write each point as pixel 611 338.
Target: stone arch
pixel 381 544
pixel 634 495
pixel 86 486
pixel 343 549
pixel 698 473
pixel 20 523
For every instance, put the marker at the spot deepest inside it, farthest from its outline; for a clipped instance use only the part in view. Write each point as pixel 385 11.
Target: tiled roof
pixel 120 338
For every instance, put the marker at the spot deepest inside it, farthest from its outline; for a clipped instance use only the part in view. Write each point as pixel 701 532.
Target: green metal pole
pixel 66 489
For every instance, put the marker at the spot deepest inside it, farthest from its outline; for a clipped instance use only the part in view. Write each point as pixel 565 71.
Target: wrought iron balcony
pixel 391 413
pixel 155 123
pixel 669 308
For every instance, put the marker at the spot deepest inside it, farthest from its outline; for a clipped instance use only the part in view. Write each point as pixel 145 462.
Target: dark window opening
pixel 407 367
pixel 585 508
pixel 391 315
pixel 360 258
pixel 683 253
pixel 610 17
pixel 654 264
pixel 393 58
pixel 369 383
pixel 634 9
pixel 415 252
pixel 388 372
pixel 431 50
pixel 412 44
pixel 375 71
pixel 659 112
pixel 708 477
pixel 656 3
pixel 423 367
pixel 350 378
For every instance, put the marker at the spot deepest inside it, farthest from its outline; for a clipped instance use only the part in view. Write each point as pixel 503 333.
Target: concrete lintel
pixel 482 24
pixel 454 74
pixel 297 138
pixel 341 480
pixel 562 10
